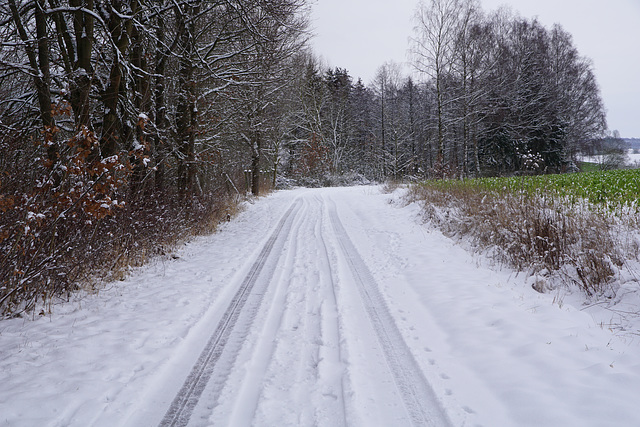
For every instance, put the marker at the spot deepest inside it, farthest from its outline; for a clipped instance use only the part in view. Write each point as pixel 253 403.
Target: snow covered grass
pixel 555 232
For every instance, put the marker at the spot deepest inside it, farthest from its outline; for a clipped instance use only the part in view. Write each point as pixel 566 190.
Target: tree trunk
pixel 44 86
pixel 82 78
pixel 142 103
pixel 255 166
pixel 160 103
pixel 112 135
pixel 186 121
pixel 40 71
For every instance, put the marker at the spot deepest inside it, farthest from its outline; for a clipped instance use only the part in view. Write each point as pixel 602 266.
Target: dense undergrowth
pixel 50 248
pixel 50 258
pixel 582 228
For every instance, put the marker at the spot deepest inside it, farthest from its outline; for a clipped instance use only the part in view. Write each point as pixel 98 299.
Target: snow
pixel 305 348
pixel 110 160
pixel 632 158
pixel 137 145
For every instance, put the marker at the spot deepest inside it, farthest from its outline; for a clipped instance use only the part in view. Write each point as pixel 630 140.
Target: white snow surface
pixel 356 293
pixel 632 158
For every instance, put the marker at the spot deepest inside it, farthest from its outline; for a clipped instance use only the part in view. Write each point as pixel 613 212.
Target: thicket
pixel 580 227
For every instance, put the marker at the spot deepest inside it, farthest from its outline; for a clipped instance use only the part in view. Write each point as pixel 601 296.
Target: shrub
pixel 68 226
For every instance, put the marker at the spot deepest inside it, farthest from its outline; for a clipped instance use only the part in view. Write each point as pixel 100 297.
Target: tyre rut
pixel 222 346
pixel 418 397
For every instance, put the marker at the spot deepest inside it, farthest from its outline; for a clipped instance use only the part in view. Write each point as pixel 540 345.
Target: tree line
pixel 491 94
pixel 509 94
pixel 124 123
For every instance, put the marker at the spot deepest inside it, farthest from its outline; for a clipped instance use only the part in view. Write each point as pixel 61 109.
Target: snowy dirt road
pixel 291 287
pixel 329 307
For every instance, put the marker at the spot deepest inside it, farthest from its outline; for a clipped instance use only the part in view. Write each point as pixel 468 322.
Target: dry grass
pixel 390 186
pixel 533 233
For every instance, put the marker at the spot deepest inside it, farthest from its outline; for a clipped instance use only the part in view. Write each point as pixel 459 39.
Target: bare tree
pixel 575 92
pixel 433 48
pixel 36 47
pixel 275 35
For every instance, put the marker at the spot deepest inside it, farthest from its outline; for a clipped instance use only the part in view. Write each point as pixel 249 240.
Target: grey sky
pixel 360 35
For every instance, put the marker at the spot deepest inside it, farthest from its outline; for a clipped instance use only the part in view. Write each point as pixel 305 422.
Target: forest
pixel 126 125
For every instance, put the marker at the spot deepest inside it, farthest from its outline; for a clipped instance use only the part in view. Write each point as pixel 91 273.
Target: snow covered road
pixel 304 290
pixel 323 307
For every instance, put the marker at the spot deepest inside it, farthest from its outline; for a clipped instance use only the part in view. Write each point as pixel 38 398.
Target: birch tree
pixel 433 48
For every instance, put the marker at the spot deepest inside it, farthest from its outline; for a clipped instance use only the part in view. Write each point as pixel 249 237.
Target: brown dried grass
pixel 530 233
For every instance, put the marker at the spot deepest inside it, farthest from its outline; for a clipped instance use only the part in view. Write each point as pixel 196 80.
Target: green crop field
pixel 611 189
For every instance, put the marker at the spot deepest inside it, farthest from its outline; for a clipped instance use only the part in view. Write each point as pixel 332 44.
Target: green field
pixel 611 189
pixel 589 167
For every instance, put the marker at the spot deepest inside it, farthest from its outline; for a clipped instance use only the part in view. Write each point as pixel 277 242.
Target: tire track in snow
pixel 418 397
pixel 330 323
pixel 222 348
pixel 247 398
pixel 301 315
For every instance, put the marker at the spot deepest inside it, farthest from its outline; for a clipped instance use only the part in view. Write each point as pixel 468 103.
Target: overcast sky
pixel 360 35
